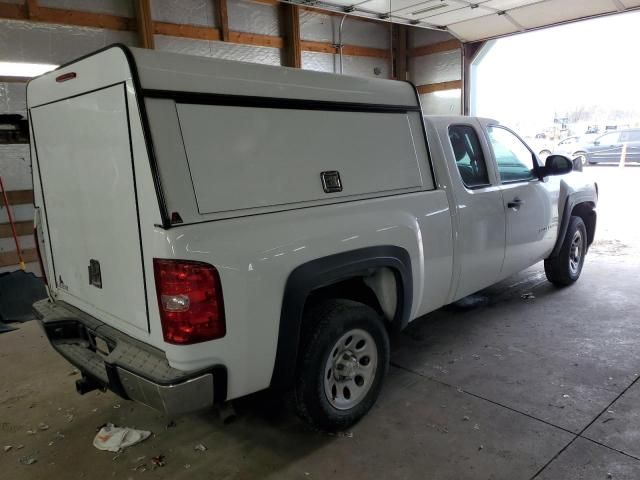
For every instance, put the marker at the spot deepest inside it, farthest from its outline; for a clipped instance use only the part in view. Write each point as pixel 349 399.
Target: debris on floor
pixel 200 447
pixel 158 461
pixel 8 447
pixel 528 296
pixel 28 460
pixel 43 426
pixel 114 439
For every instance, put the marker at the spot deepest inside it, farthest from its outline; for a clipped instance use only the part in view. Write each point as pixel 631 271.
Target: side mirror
pixel 557 165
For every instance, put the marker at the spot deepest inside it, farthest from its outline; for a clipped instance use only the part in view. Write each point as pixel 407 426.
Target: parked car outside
pixel 604 148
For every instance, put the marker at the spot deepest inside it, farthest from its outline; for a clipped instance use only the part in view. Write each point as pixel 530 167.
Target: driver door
pixel 530 204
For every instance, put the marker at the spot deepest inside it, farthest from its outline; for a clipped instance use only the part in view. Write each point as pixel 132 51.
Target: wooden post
pixel 292 54
pixel 32 9
pixel 145 24
pixel 400 51
pixel 223 19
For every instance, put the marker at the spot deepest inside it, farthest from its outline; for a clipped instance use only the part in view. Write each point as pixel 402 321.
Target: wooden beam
pixel 10 79
pixel 145 24
pixel 291 26
pixel 326 47
pixel 256 39
pixel 438 87
pixel 448 46
pixel 82 19
pixel 18 197
pixel 186 31
pixel 13 11
pixel 223 19
pixel 11 258
pixel 22 228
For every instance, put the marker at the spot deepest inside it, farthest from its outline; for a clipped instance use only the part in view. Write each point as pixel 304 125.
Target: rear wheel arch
pixel 353 275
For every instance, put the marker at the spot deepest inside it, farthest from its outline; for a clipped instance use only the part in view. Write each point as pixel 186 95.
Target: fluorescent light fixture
pixel 19 69
pixel 455 93
pixel 430 9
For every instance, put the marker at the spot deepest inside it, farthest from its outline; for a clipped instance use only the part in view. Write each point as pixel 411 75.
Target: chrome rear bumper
pixel 130 368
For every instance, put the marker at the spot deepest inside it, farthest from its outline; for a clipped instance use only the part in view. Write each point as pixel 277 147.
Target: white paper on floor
pixel 114 439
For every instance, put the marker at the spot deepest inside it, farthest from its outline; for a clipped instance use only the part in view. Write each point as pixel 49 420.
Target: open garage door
pixel 472 21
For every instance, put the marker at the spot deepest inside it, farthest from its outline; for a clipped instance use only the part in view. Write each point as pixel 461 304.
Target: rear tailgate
pixel 87 184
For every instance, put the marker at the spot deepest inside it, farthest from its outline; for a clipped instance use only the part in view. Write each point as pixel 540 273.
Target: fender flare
pixel 569 205
pixel 325 271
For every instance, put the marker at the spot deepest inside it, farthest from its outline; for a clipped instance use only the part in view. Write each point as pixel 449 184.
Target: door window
pixel 609 139
pixel 515 161
pixel 630 136
pixel 469 157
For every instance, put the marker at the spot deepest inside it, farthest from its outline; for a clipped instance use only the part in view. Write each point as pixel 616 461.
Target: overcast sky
pixel 533 75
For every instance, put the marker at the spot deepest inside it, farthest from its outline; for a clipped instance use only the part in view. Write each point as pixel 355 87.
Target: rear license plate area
pixel 101 346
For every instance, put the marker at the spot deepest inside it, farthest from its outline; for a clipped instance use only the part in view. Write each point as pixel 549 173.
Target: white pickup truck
pixel 209 229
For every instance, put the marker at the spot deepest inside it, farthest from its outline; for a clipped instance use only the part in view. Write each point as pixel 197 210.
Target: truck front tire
pixel 565 268
pixel 344 358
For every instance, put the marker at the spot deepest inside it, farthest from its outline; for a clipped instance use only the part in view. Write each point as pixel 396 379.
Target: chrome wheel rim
pixel 350 369
pixel 575 253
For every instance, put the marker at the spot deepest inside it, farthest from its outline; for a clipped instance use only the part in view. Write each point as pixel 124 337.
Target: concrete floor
pixel 513 388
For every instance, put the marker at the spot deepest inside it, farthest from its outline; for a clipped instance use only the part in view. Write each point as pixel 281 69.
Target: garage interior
pixel 522 381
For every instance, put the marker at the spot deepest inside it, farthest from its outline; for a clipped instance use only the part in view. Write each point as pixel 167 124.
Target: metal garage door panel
pixel 483 27
pixel 556 11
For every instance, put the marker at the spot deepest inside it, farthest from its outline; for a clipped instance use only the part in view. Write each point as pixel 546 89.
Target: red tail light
pixel 190 301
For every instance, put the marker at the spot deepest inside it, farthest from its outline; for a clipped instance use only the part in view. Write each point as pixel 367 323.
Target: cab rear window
pixel 468 155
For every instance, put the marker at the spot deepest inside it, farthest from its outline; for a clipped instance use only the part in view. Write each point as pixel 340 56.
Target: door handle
pixel 516 203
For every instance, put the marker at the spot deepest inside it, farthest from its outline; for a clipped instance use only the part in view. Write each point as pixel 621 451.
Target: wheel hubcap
pixel 575 253
pixel 350 369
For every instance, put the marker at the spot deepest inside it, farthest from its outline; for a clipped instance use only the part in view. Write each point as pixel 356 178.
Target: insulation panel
pixel 253 17
pixel 355 66
pixel 55 44
pixel 435 68
pixel 229 51
pixel 441 103
pixel 187 12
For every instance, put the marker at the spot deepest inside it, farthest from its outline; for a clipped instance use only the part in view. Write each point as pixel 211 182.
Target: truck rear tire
pixel 344 358
pixel 565 268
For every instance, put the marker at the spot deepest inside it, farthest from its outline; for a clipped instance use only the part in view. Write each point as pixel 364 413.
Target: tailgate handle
pixel 95 277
